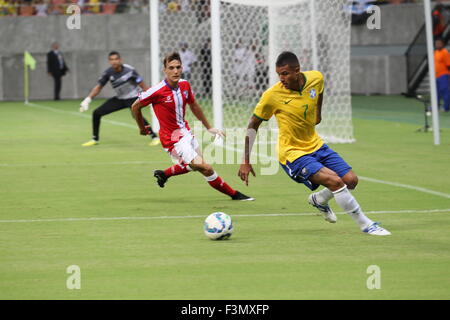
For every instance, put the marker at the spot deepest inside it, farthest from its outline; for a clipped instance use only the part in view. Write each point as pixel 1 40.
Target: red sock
pixel 175 170
pixel 217 183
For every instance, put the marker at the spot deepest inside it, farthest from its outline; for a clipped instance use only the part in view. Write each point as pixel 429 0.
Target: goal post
pixel 236 43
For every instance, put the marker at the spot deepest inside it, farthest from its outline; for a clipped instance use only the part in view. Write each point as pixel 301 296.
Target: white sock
pixel 323 196
pixel 348 202
pixel 212 177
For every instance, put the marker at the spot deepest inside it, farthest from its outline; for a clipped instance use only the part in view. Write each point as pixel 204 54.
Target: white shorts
pixel 185 150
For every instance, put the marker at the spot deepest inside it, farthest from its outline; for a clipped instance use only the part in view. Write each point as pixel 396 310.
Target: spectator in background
pixel 41 8
pixel 438 21
pixel 56 67
pixel 12 7
pixel 81 4
pixel 185 5
pixel 162 6
pixel 71 2
pixel 93 6
pixel 442 66
pixel 109 7
pixel 26 8
pixel 244 67
pixel 4 6
pixel 56 7
pixel 135 6
pixel 122 6
pixel 173 6
pixel 188 58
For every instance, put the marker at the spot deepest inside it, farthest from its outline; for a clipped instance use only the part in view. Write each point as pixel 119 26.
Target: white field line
pixel 202 216
pixel 77 164
pixel 396 184
pixel 407 186
pixel 79 114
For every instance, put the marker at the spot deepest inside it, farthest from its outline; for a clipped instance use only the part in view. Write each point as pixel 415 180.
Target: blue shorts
pixel 302 168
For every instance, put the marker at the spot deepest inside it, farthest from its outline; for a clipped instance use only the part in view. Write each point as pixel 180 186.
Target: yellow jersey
pixel 295 112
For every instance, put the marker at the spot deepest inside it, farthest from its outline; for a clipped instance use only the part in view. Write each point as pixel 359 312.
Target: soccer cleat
pixel 241 197
pixel 327 213
pixel 90 143
pixel 376 230
pixel 155 141
pixel 160 177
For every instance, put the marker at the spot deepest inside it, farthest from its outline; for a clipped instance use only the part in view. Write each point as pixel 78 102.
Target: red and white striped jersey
pixel 169 105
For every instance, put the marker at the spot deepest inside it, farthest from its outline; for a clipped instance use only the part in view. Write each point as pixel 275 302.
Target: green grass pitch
pixel 100 209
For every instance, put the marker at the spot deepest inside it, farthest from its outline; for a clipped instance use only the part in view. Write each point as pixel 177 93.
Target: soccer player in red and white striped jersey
pixel 169 99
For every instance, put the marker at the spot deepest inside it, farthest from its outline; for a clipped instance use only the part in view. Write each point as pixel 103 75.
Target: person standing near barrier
pixel 57 68
pixel 442 69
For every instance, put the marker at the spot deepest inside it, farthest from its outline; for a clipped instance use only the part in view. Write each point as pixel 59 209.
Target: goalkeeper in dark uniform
pixel 125 81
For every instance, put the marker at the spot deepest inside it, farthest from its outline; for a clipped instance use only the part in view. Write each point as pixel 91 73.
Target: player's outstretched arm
pixel 246 168
pixel 137 115
pixel 198 113
pixel 84 106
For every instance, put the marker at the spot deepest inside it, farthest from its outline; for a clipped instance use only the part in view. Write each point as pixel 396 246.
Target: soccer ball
pixel 218 226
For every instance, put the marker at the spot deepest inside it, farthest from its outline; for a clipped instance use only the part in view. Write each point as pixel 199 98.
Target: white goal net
pixel 252 34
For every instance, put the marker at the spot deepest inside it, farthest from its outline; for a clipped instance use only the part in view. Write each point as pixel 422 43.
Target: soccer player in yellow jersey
pixel 296 102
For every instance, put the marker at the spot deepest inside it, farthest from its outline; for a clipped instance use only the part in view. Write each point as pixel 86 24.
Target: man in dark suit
pixel 56 67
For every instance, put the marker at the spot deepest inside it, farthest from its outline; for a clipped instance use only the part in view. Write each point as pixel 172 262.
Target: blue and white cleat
pixel 325 209
pixel 376 230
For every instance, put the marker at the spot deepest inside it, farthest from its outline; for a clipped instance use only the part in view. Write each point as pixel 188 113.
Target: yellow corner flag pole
pixel 28 61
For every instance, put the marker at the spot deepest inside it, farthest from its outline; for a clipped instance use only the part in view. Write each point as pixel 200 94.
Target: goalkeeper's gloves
pixel 84 106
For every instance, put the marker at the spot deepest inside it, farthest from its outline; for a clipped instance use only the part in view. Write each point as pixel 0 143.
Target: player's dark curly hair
pixel 170 57
pixel 287 58
pixel 113 53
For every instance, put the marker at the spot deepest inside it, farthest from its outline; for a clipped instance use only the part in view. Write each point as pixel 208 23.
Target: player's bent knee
pixel 195 167
pixel 334 183
pixel 351 180
pixel 207 172
pixel 352 184
pixel 203 168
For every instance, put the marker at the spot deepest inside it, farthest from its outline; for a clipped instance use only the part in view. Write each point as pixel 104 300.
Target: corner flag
pixel 28 61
